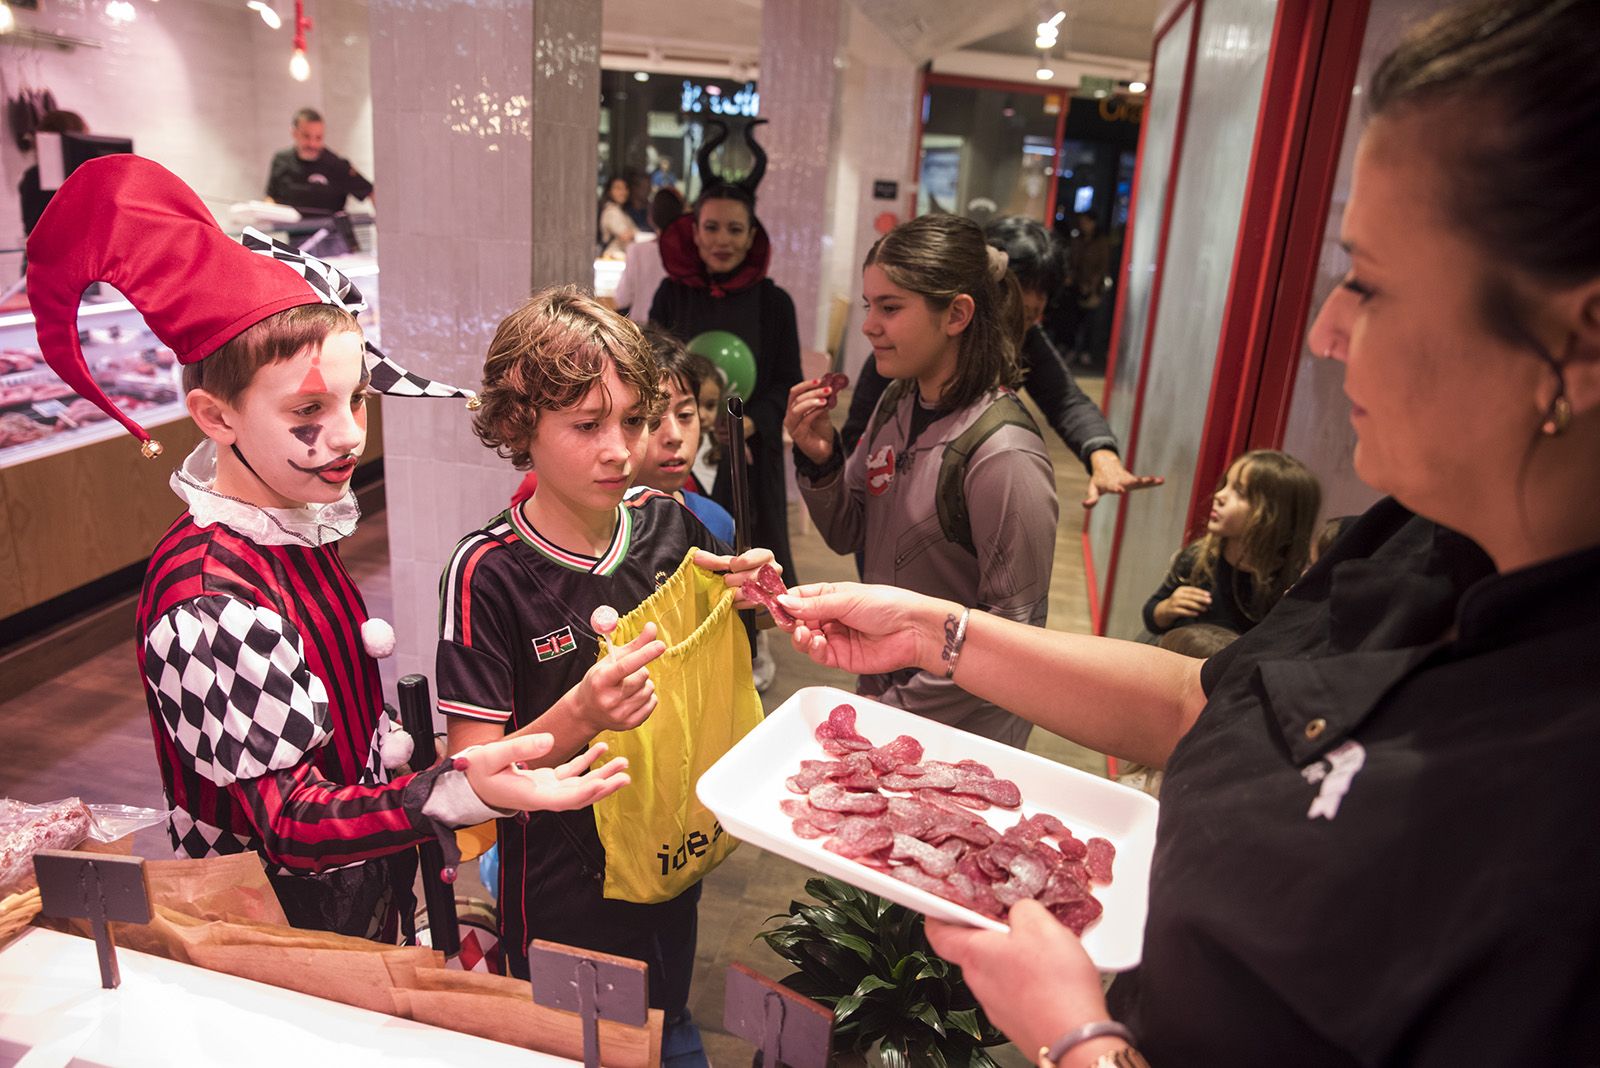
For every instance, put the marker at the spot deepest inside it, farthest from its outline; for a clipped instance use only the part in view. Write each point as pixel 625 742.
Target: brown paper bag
pixel 502 1010
pixel 232 888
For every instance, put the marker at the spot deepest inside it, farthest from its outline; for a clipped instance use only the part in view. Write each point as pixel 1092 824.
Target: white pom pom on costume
pixel 394 743
pixel 377 635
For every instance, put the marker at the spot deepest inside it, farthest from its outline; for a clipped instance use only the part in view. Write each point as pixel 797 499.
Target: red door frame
pixel 1102 608
pixel 1311 66
pixel 1319 168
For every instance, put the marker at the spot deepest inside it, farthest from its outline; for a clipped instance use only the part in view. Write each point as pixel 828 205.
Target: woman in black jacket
pixel 716 260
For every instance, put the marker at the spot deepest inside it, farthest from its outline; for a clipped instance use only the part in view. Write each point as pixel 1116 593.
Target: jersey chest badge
pixel 880 470
pixel 556 643
pixel 1334 773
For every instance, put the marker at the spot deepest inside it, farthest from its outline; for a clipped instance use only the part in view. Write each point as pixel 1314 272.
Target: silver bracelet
pixel 1050 1055
pixel 953 641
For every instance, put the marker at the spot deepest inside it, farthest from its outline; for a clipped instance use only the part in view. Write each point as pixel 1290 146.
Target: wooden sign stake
pixel 790 1028
pixel 98 888
pixel 596 986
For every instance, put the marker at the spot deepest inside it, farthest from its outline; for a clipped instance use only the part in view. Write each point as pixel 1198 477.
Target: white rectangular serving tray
pixel 745 787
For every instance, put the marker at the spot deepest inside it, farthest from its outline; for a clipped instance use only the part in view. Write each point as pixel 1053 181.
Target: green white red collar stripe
pixel 615 553
pixel 466 711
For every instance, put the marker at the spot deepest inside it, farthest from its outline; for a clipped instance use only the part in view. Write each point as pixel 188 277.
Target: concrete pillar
pixel 802 53
pixel 485 138
pixel 876 144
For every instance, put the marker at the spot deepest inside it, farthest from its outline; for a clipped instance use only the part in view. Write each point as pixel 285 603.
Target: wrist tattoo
pixel 955 636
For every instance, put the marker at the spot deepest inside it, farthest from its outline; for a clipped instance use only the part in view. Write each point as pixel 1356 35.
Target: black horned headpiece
pixel 718 133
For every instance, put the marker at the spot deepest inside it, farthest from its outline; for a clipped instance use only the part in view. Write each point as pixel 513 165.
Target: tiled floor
pixel 86 733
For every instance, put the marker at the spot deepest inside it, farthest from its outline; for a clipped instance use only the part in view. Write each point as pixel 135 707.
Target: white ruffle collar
pixel 313 524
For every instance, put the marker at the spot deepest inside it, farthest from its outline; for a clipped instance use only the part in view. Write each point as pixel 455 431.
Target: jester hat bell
pixel 131 223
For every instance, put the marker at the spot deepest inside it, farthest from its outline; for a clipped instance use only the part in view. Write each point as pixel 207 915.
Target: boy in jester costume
pixel 254 645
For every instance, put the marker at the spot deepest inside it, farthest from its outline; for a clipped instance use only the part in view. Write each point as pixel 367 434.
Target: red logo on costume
pixel 880 470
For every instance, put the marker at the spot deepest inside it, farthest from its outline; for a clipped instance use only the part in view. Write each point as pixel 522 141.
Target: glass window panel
pixel 1172 57
pixel 1231 61
pixel 1318 428
pixel 986 152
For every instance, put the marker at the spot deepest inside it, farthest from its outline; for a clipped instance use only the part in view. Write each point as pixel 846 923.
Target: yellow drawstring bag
pixel 659 839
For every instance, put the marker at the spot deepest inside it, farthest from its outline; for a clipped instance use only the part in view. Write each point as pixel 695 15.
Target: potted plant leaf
pixel 869 960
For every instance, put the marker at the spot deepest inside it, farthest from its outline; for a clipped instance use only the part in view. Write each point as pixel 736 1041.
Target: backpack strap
pixel 887 404
pixel 951 495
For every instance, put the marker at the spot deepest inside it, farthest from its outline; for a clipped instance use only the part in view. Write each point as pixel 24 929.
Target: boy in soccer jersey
pixel 253 641
pixel 569 389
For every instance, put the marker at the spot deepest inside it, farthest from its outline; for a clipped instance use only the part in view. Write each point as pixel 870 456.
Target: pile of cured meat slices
pixel 887 808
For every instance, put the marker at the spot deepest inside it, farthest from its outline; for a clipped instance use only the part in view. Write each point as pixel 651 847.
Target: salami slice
pixel 767 598
pixel 1002 792
pixel 915 876
pixel 1072 848
pixel 860 836
pixel 835 798
pixel 801 810
pixel 903 750
pixel 935 862
pixel 838 735
pixel 1100 855
pixel 1077 914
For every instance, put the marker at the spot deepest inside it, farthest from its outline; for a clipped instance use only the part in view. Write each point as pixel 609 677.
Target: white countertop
pixel 54 1013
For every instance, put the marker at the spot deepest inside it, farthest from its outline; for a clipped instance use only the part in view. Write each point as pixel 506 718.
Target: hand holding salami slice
pixel 739 571
pixel 764 591
pixel 806 417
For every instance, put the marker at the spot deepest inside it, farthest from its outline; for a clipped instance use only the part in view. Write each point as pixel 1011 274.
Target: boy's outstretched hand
pixel 494 775
pixel 737 570
pixel 617 694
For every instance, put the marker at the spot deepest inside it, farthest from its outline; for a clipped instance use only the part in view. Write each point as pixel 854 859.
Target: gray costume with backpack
pixel 969 513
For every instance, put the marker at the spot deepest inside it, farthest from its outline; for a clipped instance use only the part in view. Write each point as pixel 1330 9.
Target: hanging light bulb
pixel 8 21
pixel 268 13
pixel 120 11
pixel 299 65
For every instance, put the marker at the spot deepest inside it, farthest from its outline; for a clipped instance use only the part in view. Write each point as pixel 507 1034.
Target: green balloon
pixel 731 356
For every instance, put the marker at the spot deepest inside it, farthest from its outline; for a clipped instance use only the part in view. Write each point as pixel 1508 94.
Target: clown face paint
pixel 300 426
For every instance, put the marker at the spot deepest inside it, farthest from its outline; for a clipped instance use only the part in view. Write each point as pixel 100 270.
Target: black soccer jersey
pixel 513 638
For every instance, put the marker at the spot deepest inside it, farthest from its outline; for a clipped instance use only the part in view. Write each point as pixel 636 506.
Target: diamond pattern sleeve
pixel 233 689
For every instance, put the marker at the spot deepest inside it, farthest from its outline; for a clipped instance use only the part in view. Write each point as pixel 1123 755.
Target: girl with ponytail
pixel 950 491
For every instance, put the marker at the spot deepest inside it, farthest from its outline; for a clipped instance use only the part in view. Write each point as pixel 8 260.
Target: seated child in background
pixel 675 439
pixel 1202 641
pixel 569 388
pixel 1255 546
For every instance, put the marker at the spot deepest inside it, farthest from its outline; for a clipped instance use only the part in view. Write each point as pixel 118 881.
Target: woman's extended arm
pixel 1130 700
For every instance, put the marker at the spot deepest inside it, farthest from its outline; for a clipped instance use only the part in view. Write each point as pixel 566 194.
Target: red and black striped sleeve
pixel 308 824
